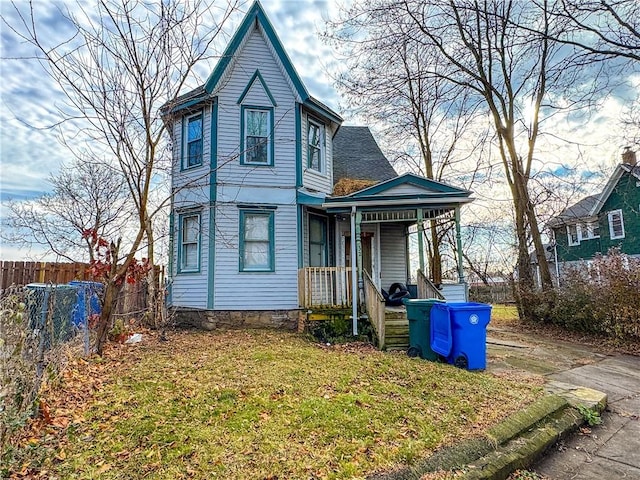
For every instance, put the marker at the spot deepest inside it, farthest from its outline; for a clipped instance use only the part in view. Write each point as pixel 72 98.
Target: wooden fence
pixel 23 273
pixel 132 300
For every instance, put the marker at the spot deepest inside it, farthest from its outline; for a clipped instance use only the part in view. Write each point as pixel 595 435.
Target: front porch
pixel 357 245
pixel 325 292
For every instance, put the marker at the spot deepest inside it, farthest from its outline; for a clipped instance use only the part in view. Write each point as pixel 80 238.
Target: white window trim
pixel 322 164
pixel 587 233
pixel 610 216
pixel 570 242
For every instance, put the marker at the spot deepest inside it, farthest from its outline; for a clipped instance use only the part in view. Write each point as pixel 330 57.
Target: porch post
pixel 354 274
pixel 359 251
pixel 420 239
pixel 459 245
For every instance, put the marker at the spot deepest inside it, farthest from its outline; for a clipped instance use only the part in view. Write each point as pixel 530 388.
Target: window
pixel 317 241
pixel 256 145
pixel 189 254
pixel 193 135
pixel 573 235
pixel 257 241
pixel 314 147
pixel 590 230
pixel 616 225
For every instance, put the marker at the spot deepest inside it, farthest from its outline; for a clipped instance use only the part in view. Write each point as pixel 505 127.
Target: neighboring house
pixel 599 222
pixel 256 235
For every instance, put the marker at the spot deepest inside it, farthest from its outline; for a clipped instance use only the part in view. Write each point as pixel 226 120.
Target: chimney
pixel 629 156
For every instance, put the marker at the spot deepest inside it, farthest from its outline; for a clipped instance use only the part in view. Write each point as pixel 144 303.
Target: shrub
pixel 602 296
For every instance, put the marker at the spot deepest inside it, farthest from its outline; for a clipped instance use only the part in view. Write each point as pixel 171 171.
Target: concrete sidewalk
pixel 611 450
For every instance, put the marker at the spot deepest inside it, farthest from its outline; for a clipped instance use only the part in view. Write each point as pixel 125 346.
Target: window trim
pixel 272 240
pixel 270 129
pixel 610 216
pixel 325 238
pixel 321 130
pixel 185 141
pixel 587 230
pixel 570 242
pixel 181 219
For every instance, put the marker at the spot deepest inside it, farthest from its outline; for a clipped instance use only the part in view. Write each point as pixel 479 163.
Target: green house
pixel 599 222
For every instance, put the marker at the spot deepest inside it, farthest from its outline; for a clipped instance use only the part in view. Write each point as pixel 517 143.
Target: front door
pixel 367 252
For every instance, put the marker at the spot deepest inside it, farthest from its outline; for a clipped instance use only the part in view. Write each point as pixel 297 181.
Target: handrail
pixel 375 308
pixel 324 287
pixel 426 288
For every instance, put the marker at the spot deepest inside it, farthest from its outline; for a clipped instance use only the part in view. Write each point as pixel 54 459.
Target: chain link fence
pixel 42 326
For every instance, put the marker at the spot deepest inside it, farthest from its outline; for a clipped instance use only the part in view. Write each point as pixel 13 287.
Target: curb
pixel 515 443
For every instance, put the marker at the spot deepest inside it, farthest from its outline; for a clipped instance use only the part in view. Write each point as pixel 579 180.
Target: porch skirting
pixel 213 319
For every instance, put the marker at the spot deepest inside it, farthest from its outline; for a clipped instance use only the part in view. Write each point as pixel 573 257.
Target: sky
pixel 30 150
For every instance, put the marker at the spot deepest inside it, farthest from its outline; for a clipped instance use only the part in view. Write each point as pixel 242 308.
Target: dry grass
pixel 346 186
pixel 264 404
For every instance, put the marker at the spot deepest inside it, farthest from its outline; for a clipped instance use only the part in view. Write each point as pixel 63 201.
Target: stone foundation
pixel 211 320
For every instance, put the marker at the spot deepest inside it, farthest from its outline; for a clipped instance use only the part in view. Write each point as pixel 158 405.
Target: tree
pixel 518 73
pixel 85 194
pixel 607 32
pixel 386 79
pixel 123 60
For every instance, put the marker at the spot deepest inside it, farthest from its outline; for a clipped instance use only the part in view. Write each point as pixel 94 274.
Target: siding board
pixel 393 254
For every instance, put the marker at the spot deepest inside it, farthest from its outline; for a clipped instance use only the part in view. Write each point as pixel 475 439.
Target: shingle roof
pixel 576 211
pixel 356 155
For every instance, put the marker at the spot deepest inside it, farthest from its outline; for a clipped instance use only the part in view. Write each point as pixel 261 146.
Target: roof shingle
pixel 357 156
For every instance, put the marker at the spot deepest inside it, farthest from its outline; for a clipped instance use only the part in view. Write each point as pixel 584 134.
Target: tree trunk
pixel 110 298
pixel 152 314
pixel 435 262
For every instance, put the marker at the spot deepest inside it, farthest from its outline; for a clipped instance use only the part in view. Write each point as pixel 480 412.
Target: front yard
pixel 259 405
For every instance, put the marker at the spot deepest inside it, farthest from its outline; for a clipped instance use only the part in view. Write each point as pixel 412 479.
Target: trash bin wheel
pixel 414 352
pixel 461 362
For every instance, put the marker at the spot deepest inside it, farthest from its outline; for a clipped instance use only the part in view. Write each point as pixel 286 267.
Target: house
pixel 599 222
pixel 257 236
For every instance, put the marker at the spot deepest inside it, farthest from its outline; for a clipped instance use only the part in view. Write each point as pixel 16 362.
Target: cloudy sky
pixel 30 149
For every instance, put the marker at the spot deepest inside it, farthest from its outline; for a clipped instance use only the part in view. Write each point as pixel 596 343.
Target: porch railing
pixel 324 287
pixel 375 308
pixel 426 288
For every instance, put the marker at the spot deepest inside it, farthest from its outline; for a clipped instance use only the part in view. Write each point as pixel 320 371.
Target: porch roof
pixel 405 191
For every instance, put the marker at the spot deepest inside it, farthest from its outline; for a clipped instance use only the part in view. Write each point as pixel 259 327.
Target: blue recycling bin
pixel 88 301
pixel 459 333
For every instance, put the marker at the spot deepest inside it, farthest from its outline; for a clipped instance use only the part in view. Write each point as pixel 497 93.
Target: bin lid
pixel 441 335
pixel 421 301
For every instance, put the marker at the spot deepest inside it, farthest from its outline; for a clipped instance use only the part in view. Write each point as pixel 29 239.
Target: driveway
pixel 610 450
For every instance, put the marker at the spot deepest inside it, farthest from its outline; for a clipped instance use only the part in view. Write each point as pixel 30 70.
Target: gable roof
pixel 421 186
pixel 256 16
pixel 575 212
pixel 590 206
pixel 357 156
pixel 611 184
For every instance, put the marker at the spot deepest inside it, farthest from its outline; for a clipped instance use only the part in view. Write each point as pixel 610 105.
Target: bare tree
pixel 519 74
pixel 386 80
pixel 607 32
pixel 123 60
pixel 85 195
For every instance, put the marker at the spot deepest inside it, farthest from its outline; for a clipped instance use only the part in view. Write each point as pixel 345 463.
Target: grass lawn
pixel 504 314
pixel 265 405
